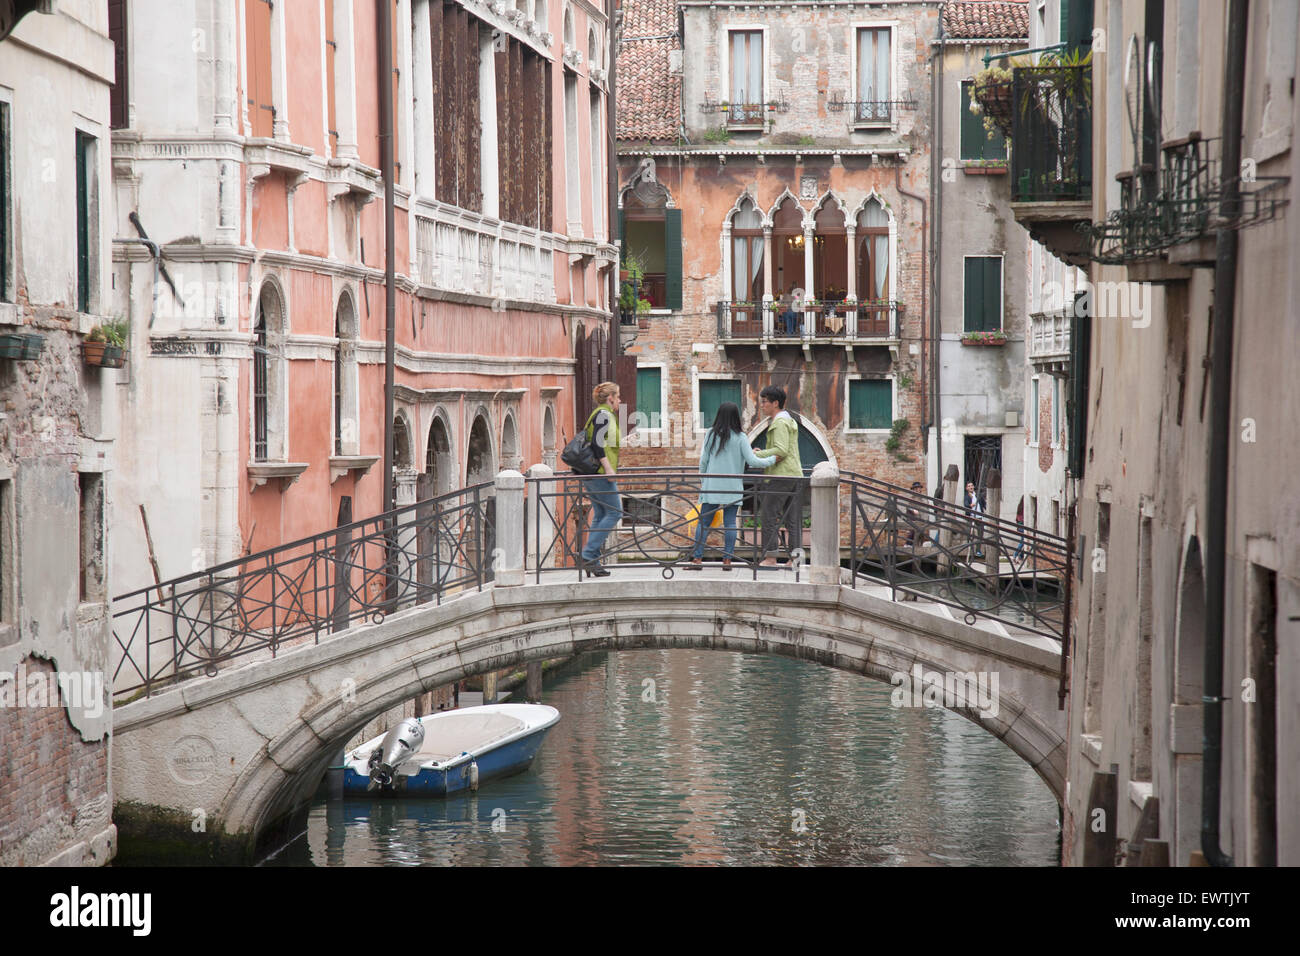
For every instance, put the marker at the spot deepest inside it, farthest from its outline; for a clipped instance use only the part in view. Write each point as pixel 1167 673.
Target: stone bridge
pixel 217 765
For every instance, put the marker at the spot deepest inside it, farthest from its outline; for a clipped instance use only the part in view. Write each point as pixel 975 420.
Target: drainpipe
pixel 936 191
pixel 611 136
pixel 385 78
pixel 898 184
pixel 1219 450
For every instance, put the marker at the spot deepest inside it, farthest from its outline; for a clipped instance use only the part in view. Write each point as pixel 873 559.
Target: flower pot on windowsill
pixel 103 355
pixel 983 338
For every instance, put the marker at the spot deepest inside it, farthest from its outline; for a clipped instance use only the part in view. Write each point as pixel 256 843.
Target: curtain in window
pixel 747 254
pixel 877 247
pixel 873 74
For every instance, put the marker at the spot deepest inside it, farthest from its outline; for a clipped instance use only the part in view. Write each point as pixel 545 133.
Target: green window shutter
pixel 622 235
pixel 648 395
pixel 713 392
pixel 973 320
pixel 83 226
pixel 673 258
pixel 1065 21
pixel 871 403
pixel 992 294
pixel 972 127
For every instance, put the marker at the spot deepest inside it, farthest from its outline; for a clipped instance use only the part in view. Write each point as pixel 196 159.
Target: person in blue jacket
pixel 726 451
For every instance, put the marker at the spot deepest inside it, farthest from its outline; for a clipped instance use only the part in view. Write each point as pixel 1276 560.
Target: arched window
pixel 873 252
pixel 746 253
pixel 539 14
pixel 548 437
pixel 788 249
pixel 830 255
pixel 478 459
pixel 401 444
pixel 593 49
pixel 568 27
pixel 347 439
pixel 510 457
pixel 268 440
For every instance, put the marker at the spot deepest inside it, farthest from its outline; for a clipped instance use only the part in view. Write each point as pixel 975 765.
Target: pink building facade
pixel 246 143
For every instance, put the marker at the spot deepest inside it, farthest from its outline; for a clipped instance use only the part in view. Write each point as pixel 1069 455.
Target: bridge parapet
pixel 857 531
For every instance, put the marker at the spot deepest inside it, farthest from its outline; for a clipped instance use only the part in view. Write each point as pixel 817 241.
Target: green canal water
pixel 699 757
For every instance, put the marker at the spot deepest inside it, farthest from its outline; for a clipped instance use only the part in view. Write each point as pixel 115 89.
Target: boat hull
pixel 494 762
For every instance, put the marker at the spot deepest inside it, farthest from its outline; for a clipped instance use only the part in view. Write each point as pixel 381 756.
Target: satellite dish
pixel 1133 96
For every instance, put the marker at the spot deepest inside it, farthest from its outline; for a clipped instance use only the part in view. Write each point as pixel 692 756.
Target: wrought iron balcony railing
pixel 1185 201
pixel 826 321
pixel 871 111
pixel 1051 124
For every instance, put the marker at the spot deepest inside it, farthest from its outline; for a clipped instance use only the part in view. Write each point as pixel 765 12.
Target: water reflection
pixel 696 757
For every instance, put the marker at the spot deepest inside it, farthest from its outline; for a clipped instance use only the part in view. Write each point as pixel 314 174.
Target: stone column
pixel 992 538
pixel 825 524
pixel 851 289
pixel 538 541
pixel 809 292
pixel 945 526
pixel 508 559
pixel 279 74
pixel 767 262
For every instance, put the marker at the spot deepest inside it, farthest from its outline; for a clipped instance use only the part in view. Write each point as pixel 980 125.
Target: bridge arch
pixel 281 726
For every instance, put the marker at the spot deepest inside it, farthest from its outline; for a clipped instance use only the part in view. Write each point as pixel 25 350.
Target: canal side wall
pixel 248 747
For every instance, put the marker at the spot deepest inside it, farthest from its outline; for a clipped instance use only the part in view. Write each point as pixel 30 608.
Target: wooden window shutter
pixel 117 97
pixel 672 258
pixel 992 294
pixel 331 91
pixel 974 298
pixel 261 110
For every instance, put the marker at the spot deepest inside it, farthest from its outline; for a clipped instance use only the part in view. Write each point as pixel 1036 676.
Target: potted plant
pixel 105 346
pixel 996 337
pixel 991 97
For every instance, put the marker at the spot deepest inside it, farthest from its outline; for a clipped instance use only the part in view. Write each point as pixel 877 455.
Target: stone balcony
pixel 1049 341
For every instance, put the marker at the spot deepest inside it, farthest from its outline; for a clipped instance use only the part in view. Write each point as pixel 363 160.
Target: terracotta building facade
pixel 774 167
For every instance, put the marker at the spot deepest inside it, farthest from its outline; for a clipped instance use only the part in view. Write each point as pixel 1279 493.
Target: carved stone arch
pixel 404 441
pixel 511 456
pixel 346 398
pixel 884 203
pixel 746 193
pixel 568 34
pixel 269 373
pixel 439 475
pixel 770 217
pixel 549 435
pixel 480 447
pixel 830 196
pixel 646 188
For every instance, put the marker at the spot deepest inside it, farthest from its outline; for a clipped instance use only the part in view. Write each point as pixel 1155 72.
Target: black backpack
pixel 578 454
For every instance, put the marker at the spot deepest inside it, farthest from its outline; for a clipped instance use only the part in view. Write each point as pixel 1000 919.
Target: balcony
pixel 1051 156
pixel 462 251
pixel 833 323
pixel 871 112
pixel 1166 221
pixel 1049 341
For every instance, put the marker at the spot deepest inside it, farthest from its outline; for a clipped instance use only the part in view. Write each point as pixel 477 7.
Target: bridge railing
pixel 986 567
pixel 518 527
pixel 293 593
pixel 657 520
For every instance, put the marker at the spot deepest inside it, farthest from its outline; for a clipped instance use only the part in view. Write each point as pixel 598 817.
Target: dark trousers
pixel 782 505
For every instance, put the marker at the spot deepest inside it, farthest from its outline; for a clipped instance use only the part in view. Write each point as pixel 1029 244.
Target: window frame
pixel 662 368
pixel 6 197
pixel 848 398
pixel 765 54
pixel 697 417
pixel 1034 404
pixel 964 98
pixel 1002 292
pixel 1056 411
pixel 855 28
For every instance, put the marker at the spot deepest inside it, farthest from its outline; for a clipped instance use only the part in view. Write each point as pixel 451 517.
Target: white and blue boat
pixel 448 752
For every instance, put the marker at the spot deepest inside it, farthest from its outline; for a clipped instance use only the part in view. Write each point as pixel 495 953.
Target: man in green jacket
pixel 782 493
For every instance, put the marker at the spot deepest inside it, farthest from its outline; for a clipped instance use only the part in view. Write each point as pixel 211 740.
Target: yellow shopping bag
pixel 693 516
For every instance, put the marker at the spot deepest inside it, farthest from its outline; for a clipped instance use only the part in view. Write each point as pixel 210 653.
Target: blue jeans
pixel 606 509
pixel 789 323
pixel 707 512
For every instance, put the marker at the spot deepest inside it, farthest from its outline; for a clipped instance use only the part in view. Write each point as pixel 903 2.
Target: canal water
pixel 700 757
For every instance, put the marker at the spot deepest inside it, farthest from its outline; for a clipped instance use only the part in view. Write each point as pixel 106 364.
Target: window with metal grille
pixel 983 454
pixel 261 376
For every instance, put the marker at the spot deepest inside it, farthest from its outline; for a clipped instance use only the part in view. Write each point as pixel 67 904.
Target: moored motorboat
pixel 448 752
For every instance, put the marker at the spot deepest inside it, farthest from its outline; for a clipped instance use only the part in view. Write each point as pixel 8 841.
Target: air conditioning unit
pixel 1013 419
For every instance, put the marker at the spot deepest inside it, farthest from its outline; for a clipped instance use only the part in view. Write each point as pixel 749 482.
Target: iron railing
pixel 927 548
pixel 871 111
pixel 293 593
pixel 815 320
pixel 658 520
pixel 427 552
pixel 1051 127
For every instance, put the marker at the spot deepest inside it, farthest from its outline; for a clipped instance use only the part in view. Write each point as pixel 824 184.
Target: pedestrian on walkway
pixel 606 506
pixel 782 493
pixel 726 452
pixel 975 505
pixel 1020 525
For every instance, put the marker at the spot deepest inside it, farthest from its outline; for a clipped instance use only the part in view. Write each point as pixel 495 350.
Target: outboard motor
pixel 400 744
